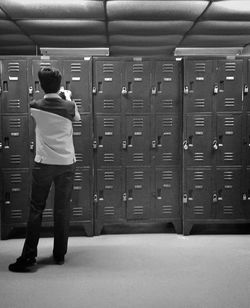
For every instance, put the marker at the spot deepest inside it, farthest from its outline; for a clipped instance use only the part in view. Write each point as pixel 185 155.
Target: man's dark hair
pixel 50 79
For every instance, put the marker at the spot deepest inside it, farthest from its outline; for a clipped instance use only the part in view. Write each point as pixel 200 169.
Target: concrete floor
pixel 132 271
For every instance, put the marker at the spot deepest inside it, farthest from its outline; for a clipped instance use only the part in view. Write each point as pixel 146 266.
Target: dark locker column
pixel 166 140
pixel 228 100
pixel 198 143
pixel 108 145
pixel 15 145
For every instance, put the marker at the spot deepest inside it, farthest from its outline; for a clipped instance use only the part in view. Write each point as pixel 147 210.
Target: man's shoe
pixel 59 260
pixel 22 265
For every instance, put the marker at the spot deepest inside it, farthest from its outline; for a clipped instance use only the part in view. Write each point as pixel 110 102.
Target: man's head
pixel 50 79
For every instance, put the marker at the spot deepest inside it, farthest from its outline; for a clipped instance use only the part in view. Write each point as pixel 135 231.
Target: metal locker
pixel 16 146
pixel 248 141
pixel 166 87
pixel 228 87
pixel 110 197
pixel 199 195
pixel 246 194
pixel 16 193
pixel 108 140
pixel 229 193
pixel 167 140
pixel 136 91
pixel 167 192
pixel 198 143
pixel 198 86
pixel 77 79
pixel 107 86
pixel 229 139
pixel 136 144
pixel 139 193
pixel 14 98
pixel 35 91
pixel 82 137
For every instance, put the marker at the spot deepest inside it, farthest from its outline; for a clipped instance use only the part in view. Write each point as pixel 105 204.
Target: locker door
pixel 246 197
pixel 167 192
pixel 14 86
pixel 108 137
pixel 198 143
pixel 138 140
pixel 82 137
pixel 198 194
pixel 15 197
pixel 229 82
pixel 15 141
pixel 166 89
pixel 77 79
pixel 167 140
pixel 107 86
pixel 137 91
pixel 139 194
pixel 81 209
pixel 248 140
pixel 229 191
pixel 229 136
pixel 198 86
pixel 110 188
pixel 35 90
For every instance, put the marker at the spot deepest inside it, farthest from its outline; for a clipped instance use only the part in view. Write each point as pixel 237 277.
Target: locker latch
pixel 124 197
pixel 153 144
pixel 94 90
pixel 245 89
pixel 154 91
pixel 186 90
pixel 94 145
pixel 1 146
pixel 216 89
pixel 215 145
pixel 244 197
pixel 32 146
pixel 185 199
pixel 95 198
pixel 124 91
pixel 1 90
pixel 185 145
pixel 215 198
pixel 124 144
pixel 31 90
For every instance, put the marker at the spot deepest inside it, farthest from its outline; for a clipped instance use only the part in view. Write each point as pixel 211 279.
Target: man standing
pixel 54 162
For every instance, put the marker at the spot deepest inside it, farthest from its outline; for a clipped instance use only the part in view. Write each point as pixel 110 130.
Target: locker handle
pixel 124 91
pixel 32 146
pixel 216 89
pixel 153 144
pixel 220 141
pixel 94 90
pixel 130 195
pixel 100 145
pixel 159 197
pixel 159 144
pixel 215 145
pixel 6 143
pixel 130 145
pixel 185 145
pixel 7 198
pixel 5 86
pixel 186 90
pixel 31 90
pixel 245 89
pixel 215 198
pixel 154 91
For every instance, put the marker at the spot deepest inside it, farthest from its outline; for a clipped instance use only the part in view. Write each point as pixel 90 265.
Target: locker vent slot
pixel 15 123
pixel 15 159
pixel 78 177
pixel 168 68
pixel 167 175
pixel 108 104
pixel 198 156
pixel 76 67
pixel 167 209
pixel 13 67
pixel 77 124
pixel 228 175
pixel 200 122
pixel 109 122
pixel 230 67
pixel 77 211
pixel 199 210
pixel 14 103
pixel 167 122
pixel 167 103
pixel 200 67
pixel 167 156
pixel 48 213
pixel 198 175
pixel 109 157
pixel 139 157
pixel 78 102
pixel 199 102
pixel 138 210
pixel 15 178
pixel 137 68
pixel 109 210
pixel 109 176
pixel 16 214
pixel 229 122
pixel 138 122
pixel 45 64
pixel 228 156
pixel 79 157
pixel 108 68
pixel 138 103
pixel 228 209
pixel 229 102
pixel 138 175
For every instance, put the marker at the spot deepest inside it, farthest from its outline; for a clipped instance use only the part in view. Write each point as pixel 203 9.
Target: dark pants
pixel 42 178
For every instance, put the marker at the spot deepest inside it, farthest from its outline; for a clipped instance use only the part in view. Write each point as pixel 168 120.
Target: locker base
pixel 216 226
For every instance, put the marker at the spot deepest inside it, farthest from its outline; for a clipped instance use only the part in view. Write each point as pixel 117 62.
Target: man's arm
pixel 77 116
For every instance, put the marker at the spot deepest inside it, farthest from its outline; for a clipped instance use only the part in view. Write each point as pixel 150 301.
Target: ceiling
pixel 126 27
